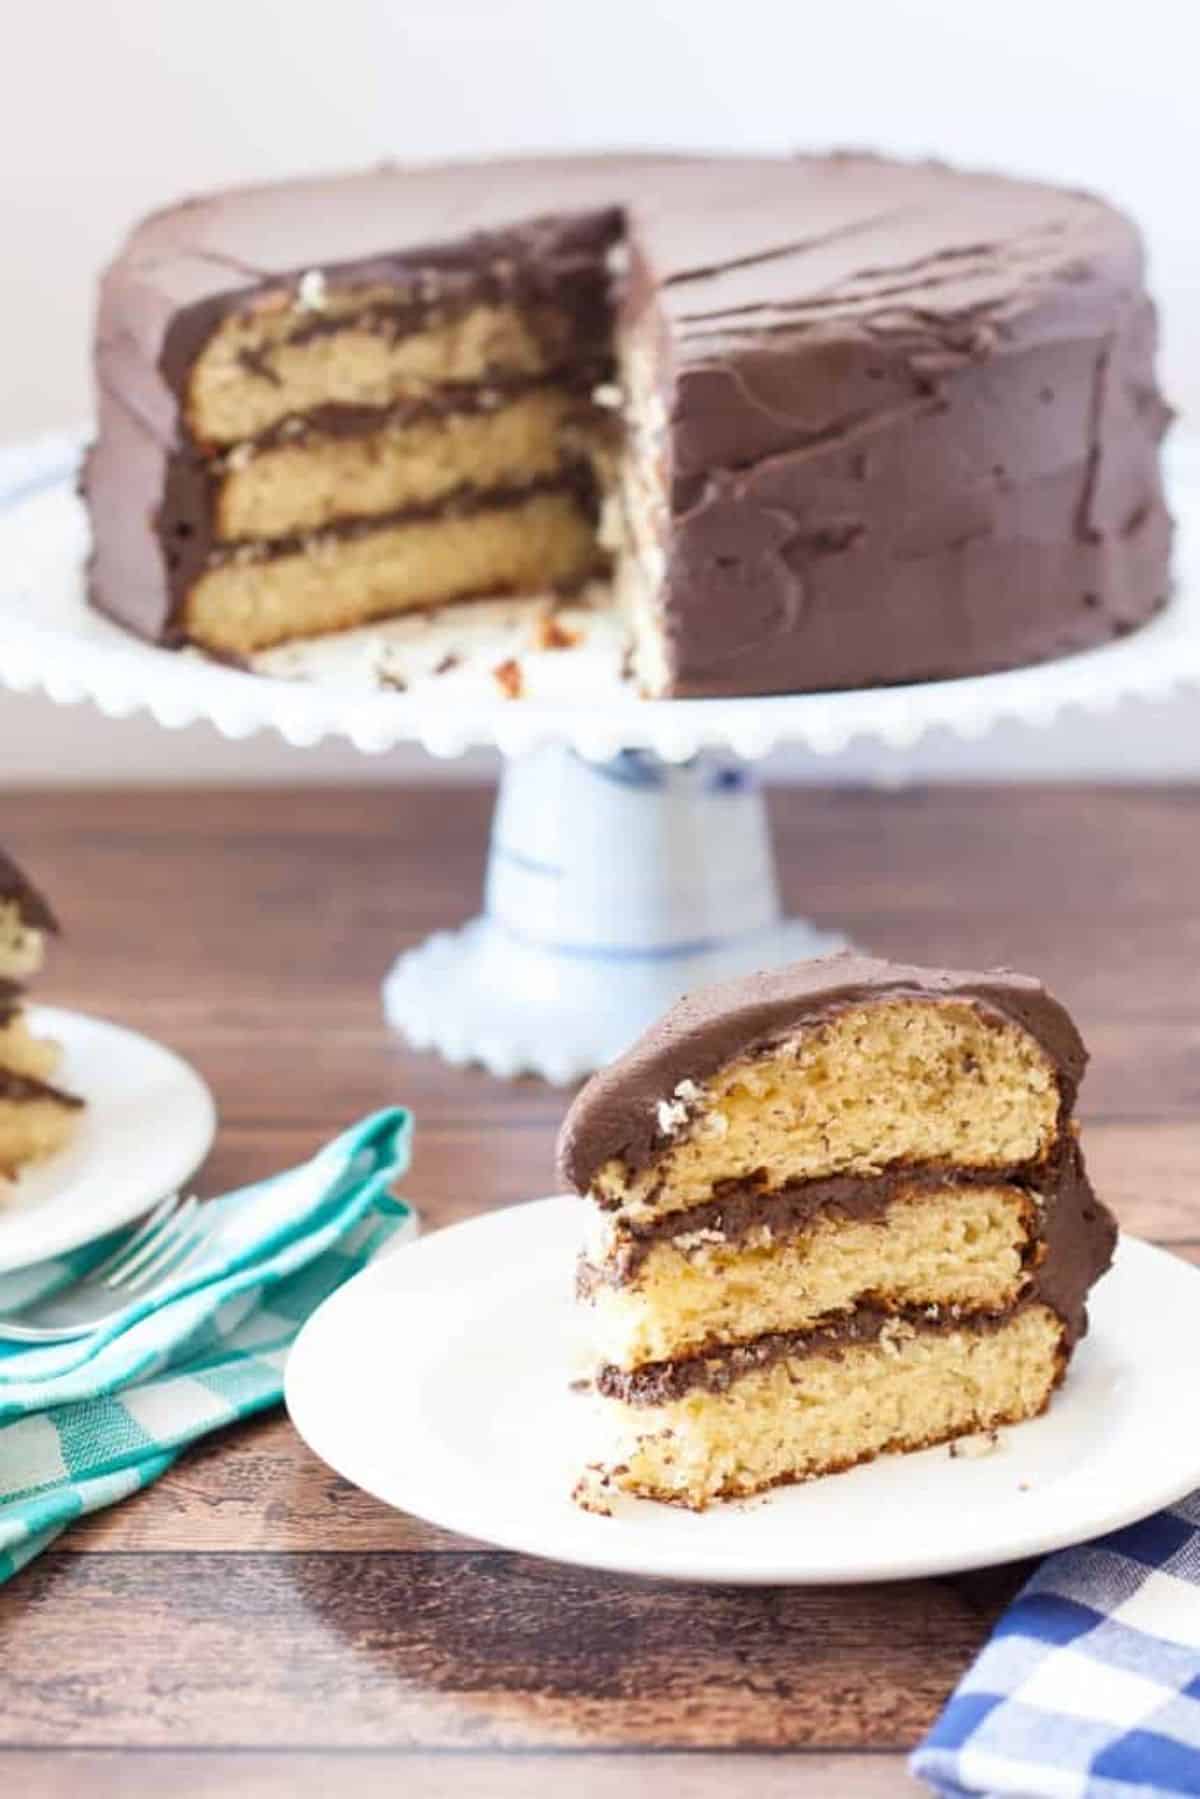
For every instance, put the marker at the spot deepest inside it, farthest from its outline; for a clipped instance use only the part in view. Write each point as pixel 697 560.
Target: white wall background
pixel 114 106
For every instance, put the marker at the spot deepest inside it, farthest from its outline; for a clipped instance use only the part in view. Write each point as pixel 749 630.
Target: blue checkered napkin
pixel 85 1424
pixel 1090 1684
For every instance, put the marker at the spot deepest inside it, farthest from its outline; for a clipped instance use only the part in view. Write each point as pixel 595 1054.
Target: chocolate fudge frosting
pixel 615 1115
pixel 18 890
pixel 911 419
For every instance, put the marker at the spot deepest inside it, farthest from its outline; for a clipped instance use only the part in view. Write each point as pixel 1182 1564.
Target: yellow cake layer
pixel 814 1415
pixel 896 1081
pixel 546 540
pixel 304 485
pixel 958 1246
pixel 31 1129
pixel 21 949
pixel 248 376
pixel 23 1053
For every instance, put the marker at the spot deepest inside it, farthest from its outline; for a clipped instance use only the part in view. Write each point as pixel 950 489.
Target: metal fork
pixel 168 1241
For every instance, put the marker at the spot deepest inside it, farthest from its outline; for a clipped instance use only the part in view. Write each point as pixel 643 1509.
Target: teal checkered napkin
pixel 85 1424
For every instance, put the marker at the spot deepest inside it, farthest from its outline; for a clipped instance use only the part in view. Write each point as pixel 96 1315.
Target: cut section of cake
pixel 36 1117
pixel 836 1210
pixel 367 438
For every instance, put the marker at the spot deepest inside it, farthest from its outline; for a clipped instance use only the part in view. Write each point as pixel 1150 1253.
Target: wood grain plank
pixel 384 1774
pixel 255 1488
pixel 1150 1176
pixel 475 1650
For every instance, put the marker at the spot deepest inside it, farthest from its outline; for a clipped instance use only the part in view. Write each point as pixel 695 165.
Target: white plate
pixel 438 1381
pixel 148 1125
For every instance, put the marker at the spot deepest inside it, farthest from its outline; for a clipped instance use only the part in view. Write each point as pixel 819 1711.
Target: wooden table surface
pixel 253 1625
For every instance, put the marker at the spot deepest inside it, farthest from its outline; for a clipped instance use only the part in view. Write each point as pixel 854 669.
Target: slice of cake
pixel 36 1117
pixel 837 1210
pixel 830 421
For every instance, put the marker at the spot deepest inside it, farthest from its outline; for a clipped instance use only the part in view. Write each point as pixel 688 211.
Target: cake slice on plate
pixel 36 1117
pixel 836 1210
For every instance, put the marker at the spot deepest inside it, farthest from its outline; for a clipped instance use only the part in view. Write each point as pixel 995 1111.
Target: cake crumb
pixel 550 634
pixel 672 1115
pixel 507 676
pixel 310 291
pixel 592 1492
pixel 449 660
pixel 608 395
pixel 971 1449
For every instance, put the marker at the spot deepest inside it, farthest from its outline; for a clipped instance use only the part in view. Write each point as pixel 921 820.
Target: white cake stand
pixel 630 859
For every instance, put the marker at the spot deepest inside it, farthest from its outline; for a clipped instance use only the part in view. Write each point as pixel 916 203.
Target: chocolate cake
pixel 837 1210
pixel 36 1117
pixel 827 421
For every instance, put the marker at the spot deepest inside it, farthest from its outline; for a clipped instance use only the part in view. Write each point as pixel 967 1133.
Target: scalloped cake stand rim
pixel 87 658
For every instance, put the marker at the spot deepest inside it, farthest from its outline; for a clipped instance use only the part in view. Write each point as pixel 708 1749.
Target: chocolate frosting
pixel 17 889
pixel 1078 1236
pixel 912 420
pixel 616 1113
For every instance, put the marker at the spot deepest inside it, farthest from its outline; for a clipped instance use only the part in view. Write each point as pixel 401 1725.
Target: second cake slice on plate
pixel 837 1210
pixel 37 1117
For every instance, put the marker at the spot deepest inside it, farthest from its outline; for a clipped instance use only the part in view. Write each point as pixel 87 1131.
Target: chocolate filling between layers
pixel 575 480
pixel 12 998
pixel 334 420
pixel 27 1087
pixel 575 312
pixel 715 1371
pixel 337 419
pixel 555 264
pixel 1068 1254
pixel 743 1206
pixel 17 890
